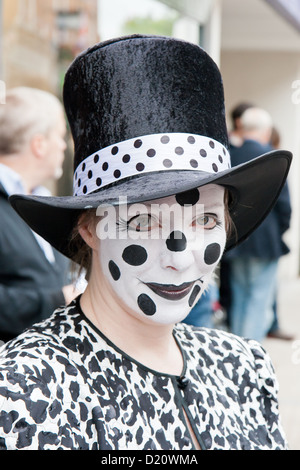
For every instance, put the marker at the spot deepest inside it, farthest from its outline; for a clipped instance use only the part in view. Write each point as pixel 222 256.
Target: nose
pixel 176 241
pixel 176 255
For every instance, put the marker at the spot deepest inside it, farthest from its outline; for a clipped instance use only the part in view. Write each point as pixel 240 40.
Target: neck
pixel 145 342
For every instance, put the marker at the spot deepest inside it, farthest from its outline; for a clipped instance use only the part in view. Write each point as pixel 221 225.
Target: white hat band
pixel 148 154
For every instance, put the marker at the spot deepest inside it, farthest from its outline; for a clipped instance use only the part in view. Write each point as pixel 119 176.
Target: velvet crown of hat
pixel 142 85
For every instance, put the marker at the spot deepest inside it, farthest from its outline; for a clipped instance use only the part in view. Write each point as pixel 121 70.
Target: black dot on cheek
pixel 135 255
pixel 176 241
pixel 212 253
pixel 147 305
pixel 188 197
pixel 194 295
pixel 114 271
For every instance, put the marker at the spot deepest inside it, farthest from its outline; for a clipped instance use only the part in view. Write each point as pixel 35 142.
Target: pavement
pixel 285 356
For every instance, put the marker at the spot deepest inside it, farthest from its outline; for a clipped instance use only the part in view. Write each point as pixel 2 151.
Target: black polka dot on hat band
pixel 147 154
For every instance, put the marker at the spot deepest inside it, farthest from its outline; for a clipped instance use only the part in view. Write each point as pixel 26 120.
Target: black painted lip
pixel 170 291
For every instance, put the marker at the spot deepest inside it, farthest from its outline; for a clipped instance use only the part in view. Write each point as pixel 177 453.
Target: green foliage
pixel 148 25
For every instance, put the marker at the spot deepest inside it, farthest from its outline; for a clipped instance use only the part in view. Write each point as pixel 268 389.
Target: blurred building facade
pixel 41 37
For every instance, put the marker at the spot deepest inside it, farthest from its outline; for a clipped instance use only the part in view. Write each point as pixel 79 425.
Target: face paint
pixel 166 252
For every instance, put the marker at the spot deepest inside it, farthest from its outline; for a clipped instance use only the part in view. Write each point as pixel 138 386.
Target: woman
pixel 154 197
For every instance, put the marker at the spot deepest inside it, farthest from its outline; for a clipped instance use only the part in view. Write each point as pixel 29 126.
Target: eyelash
pixel 124 225
pixel 217 221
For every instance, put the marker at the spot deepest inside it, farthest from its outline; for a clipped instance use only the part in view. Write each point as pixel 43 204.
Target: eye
pixel 207 221
pixel 142 223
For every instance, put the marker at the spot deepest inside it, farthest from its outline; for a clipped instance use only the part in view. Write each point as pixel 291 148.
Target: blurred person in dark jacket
pixel 254 263
pixel 33 276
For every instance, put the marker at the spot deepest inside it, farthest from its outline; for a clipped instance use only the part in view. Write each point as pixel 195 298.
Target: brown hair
pixel 80 252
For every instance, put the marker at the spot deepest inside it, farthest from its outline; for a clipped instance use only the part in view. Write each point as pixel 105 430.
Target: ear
pixel 87 231
pixel 38 145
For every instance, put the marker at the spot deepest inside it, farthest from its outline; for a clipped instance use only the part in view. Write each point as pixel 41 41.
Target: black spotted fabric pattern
pixel 63 385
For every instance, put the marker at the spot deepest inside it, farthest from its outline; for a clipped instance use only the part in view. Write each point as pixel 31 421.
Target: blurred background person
pixel 33 276
pixel 236 139
pixel 236 136
pixel 275 329
pixel 254 263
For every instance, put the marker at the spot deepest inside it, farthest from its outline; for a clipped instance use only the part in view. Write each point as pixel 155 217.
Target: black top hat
pixel 148 121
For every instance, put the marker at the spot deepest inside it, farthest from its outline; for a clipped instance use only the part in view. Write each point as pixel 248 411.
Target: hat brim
pixel 254 187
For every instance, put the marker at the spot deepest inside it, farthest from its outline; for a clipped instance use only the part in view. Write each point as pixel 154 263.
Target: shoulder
pixel 218 346
pixel 40 348
pixel 247 151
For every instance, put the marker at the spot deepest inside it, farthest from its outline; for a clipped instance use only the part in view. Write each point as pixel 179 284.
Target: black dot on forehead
pixel 176 241
pixel 146 304
pixel 194 295
pixel 114 271
pixel 188 197
pixel 135 255
pixel 212 253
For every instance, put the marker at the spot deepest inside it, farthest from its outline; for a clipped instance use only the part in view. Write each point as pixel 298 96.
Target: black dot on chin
pixel 194 295
pixel 188 197
pixel 212 253
pixel 114 271
pixel 135 255
pixel 176 241
pixel 147 305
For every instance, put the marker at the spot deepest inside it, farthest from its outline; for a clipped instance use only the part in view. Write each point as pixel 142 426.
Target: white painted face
pixel 164 252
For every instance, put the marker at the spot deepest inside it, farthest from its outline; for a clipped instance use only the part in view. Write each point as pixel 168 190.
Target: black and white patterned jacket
pixel 63 385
